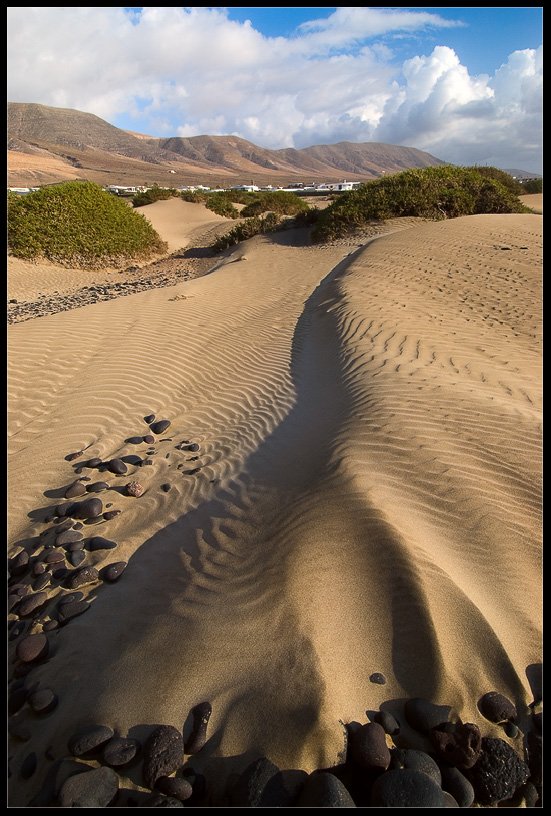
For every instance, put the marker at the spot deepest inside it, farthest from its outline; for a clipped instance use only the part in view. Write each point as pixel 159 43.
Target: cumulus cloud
pixel 188 71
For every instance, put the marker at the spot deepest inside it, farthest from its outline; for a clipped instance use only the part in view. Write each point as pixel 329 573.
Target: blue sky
pixel 465 84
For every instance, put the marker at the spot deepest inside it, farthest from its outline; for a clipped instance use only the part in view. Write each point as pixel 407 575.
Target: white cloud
pixel 192 71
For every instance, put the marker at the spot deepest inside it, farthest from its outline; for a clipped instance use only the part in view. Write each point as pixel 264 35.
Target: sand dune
pixel 177 221
pixel 367 496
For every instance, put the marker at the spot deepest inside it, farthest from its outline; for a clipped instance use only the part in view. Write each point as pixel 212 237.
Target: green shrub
pixel 154 193
pixel 433 192
pixel 532 186
pixel 194 196
pixel 221 204
pixel 280 202
pixel 499 175
pixel 247 229
pixel 78 224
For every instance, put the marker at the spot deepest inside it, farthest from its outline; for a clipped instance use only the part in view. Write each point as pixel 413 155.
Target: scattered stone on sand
pixel 160 426
pixel 111 514
pixel 511 730
pixel 388 722
pixel 120 751
pixel 459 745
pixel 70 597
pixel 68 537
pixel 498 773
pixel 134 489
pixel 117 466
pixel 149 418
pixel 163 754
pixel 87 509
pixel 19 563
pixel 458 785
pixel 367 747
pixel 50 625
pixel 72 456
pixel 406 788
pixel 423 715
pixel 415 761
pixel 97 487
pixel 147 462
pixel 177 787
pixel 89 739
pixel 378 678
pixel 248 789
pixel 94 462
pixel 134 440
pixel 82 577
pixel 41 581
pixel 43 701
pixel 99 543
pixel 166 487
pixel 32 648
pixel 323 789
pixel 94 788
pixel 149 439
pixel 75 489
pixel 54 557
pixel 198 736
pixel 29 765
pixel 61 527
pixel 112 572
pixel 68 611
pixel 73 546
pixel 30 603
pixel 496 707
pixel 76 558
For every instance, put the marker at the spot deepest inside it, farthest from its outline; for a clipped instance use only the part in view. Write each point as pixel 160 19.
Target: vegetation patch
pixel 154 193
pixel 78 224
pixel 247 229
pixel 433 192
pixel 281 202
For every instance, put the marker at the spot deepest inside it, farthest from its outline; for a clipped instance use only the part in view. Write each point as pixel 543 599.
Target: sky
pixel 464 84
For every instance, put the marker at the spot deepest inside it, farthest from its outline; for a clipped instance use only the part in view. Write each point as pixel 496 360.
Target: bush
pixel 78 224
pixel 532 186
pixel 247 229
pixel 221 204
pixel 280 202
pixel 433 192
pixel 194 196
pixel 154 193
pixel 499 175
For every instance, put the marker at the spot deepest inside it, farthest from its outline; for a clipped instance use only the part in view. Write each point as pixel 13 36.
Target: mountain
pixel 48 144
pixel 523 174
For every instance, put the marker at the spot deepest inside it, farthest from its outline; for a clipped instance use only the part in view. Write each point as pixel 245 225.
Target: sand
pixel 533 200
pixel 368 493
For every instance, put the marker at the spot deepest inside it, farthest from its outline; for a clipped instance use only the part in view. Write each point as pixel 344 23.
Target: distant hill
pixel 51 144
pixel 523 174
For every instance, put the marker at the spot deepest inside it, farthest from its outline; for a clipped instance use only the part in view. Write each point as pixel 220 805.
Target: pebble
pixel 448 800
pixel 511 730
pixel 147 462
pixel 82 577
pixel 19 563
pixel 111 514
pixel 41 582
pixel 70 597
pixel 18 628
pixel 29 765
pixel 149 439
pixel 50 625
pixel 498 773
pixel 112 572
pixel 76 558
pixel 388 722
pixel 76 545
pixel 134 440
pixel 177 787
pixel 120 751
pixel 283 789
pixel 117 466
pixel 63 526
pixel 166 487
pixel 160 426
pixel 158 799
pixel 43 701
pixel 149 418
pixel 378 678
pixel 89 739
pixel 30 603
pixel 423 715
pixel 323 789
pixel 496 708
pixel 60 574
pixel 459 745
pixel 367 747
pixel 163 754
pixel 32 648
pixel 68 537
pixel 75 489
pixel 54 557
pixel 87 509
pixel 99 543
pixel 95 788
pixel 19 730
pixel 248 790
pixel 415 761
pixel 66 509
pixel 38 568
pixel 68 611
pixel 134 489
pixel 97 487
pixel 94 462
pixel 458 785
pixel 201 715
pixel 406 788
pixel 72 456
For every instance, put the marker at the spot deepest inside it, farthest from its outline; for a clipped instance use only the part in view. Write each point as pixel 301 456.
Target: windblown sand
pixel 368 497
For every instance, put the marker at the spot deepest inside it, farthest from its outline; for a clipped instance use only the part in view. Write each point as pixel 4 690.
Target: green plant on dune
pixel 78 224
pixel 532 186
pixel 247 229
pixel 154 193
pixel 433 192
pixel 221 204
pixel 279 201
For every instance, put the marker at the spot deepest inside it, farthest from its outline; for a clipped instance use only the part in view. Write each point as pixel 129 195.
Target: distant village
pixel 322 188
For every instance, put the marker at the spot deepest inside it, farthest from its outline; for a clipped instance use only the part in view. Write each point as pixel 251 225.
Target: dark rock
pixel 458 785
pixel 69 598
pixel 43 701
pixel 367 747
pixel 97 487
pixel 82 577
pixel 323 789
pixel 166 487
pixel 75 489
pixel 30 603
pixel 50 625
pixel 283 789
pixel 63 510
pixel 134 440
pixel 19 563
pixel 117 466
pixel 112 572
pixel 89 739
pixel 99 543
pixel 111 514
pixel 95 788
pixel 131 459
pixel 12 601
pixel 159 800
pixel 448 800
pixel 17 700
pixel 533 751
pixel 32 648
pixel 22 669
pixel 149 418
pixel 87 509
pixel 62 526
pixel 60 771
pixel 496 708
pixel 498 773
pixel 414 760
pixel 41 582
pixel 68 537
pixel 406 788
pixel 423 715
pixel 54 557
pixel 176 787
pixel 160 426
pixel 529 794
pixel 60 574
pixel 20 589
pixel 201 715
pixel 378 678
pixel 29 765
pixel 247 792
pixel 18 628
pixel 76 558
pixel 460 746
pixel 120 751
pixel 147 462
pixel 38 568
pixel 163 754
pixel 94 462
pixel 194 447
pixel 72 456
pixel 511 730
pixel 68 611
pixel 148 439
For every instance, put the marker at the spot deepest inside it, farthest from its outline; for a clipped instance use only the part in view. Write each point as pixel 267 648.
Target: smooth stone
pixel 454 782
pixel 60 771
pixel 13 600
pixel 99 543
pixel 17 700
pixel 19 563
pixel 194 447
pixel 459 745
pixel 97 487
pixel 388 722
pixel 248 790
pixel 147 462
pixel 529 794
pixel 414 760
pixel 378 678
pixel 134 440
pixel 94 462
pixel 496 708
pixel 32 648
pixel 75 545
pixel 111 514
pixel 87 509
pixel 18 628
pixel 117 466
pixel 30 603
pixel 149 418
pixel 82 577
pixel 176 787
pixel 63 510
pixel 74 490
pixel 20 590
pixel 43 701
pixel 498 773
pixel 69 598
pixel 406 788
pixel 166 487
pixel 448 800
pixel 112 572
pixel 41 582
pixel 163 754
pixel 68 611
pixel 511 730
pixel 95 788
pixel 68 537
pixel 29 765
pixel 283 789
pixel 54 557
pixel 367 747
pixel 61 574
pixel 198 736
pixel 158 799
pixel 120 751
pixel 50 625
pixel 76 558
pixel 423 715
pixel 72 456
pixel 149 439
pixel 89 739
pixel 63 526
pixel 160 426
pixel 38 568
pixel 323 789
